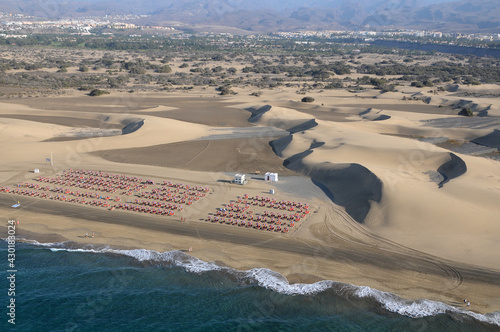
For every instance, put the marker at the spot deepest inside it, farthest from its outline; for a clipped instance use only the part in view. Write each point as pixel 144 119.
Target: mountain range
pixel 278 15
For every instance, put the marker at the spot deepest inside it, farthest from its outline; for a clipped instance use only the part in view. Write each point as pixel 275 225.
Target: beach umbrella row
pixel 143 209
pixel 249 224
pixel 71 172
pixel 185 186
pixel 251 217
pixel 246 199
pixel 159 204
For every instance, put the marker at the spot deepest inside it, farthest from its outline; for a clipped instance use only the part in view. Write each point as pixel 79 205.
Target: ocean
pixel 60 287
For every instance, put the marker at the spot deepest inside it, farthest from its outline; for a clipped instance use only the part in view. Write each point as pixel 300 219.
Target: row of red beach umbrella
pixel 67 191
pixel 159 204
pixel 185 186
pixel 270 200
pixel 249 224
pixel 103 175
pixel 166 190
pixel 167 210
pixel 301 209
pixel 93 184
pixel 144 209
pixel 278 219
pixel 176 199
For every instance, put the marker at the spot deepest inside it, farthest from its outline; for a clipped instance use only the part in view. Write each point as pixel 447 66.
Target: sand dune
pixel 281 117
pixel 373 115
pixel 135 133
pixel 93 122
pixel 15 130
pixel 366 173
pixel 491 140
pixel 352 186
pixel 451 169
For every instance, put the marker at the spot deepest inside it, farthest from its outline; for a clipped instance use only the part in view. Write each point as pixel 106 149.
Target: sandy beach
pixel 389 209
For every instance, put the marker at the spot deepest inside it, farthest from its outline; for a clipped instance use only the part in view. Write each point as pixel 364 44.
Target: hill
pixel 272 15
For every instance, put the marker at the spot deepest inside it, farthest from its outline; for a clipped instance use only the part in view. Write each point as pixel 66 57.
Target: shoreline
pixel 412 277
pixel 296 278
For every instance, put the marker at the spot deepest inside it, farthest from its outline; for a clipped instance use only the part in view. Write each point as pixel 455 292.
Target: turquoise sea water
pixel 63 288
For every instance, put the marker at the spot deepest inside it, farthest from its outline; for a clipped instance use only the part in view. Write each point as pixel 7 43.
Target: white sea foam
pixel 419 308
pixel 277 282
pixel 47 244
pixel 95 251
pixel 177 258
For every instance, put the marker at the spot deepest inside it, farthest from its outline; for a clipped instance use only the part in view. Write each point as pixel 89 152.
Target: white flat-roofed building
pixel 240 179
pixel 272 177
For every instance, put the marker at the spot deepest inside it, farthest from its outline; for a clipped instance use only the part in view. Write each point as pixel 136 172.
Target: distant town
pixel 23 26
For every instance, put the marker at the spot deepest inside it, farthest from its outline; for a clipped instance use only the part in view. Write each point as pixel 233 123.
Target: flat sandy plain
pixel 382 213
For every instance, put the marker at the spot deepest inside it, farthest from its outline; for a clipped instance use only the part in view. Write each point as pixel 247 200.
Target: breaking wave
pixel 276 282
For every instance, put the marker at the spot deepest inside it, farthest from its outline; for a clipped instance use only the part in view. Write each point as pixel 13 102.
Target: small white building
pixel 272 177
pixel 36 170
pixel 240 179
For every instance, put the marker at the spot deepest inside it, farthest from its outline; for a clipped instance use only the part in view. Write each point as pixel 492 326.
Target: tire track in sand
pixel 342 226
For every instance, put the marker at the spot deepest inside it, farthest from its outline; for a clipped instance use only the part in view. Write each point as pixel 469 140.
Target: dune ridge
pixel 345 162
pixel 373 115
pixel 350 185
pixel 389 184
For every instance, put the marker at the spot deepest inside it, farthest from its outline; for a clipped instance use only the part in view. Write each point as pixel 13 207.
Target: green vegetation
pixel 466 111
pixel 163 69
pixel 226 90
pixel 420 84
pixel 378 83
pixel 97 92
pixel 264 62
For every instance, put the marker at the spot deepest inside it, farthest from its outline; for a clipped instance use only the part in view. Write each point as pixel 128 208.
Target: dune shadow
pixel 132 127
pixel 491 140
pixel 280 144
pixel 303 126
pixel 451 169
pixel 258 112
pixel 352 186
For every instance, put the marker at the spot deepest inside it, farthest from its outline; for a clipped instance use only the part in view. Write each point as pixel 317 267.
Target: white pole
pixel 51 159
